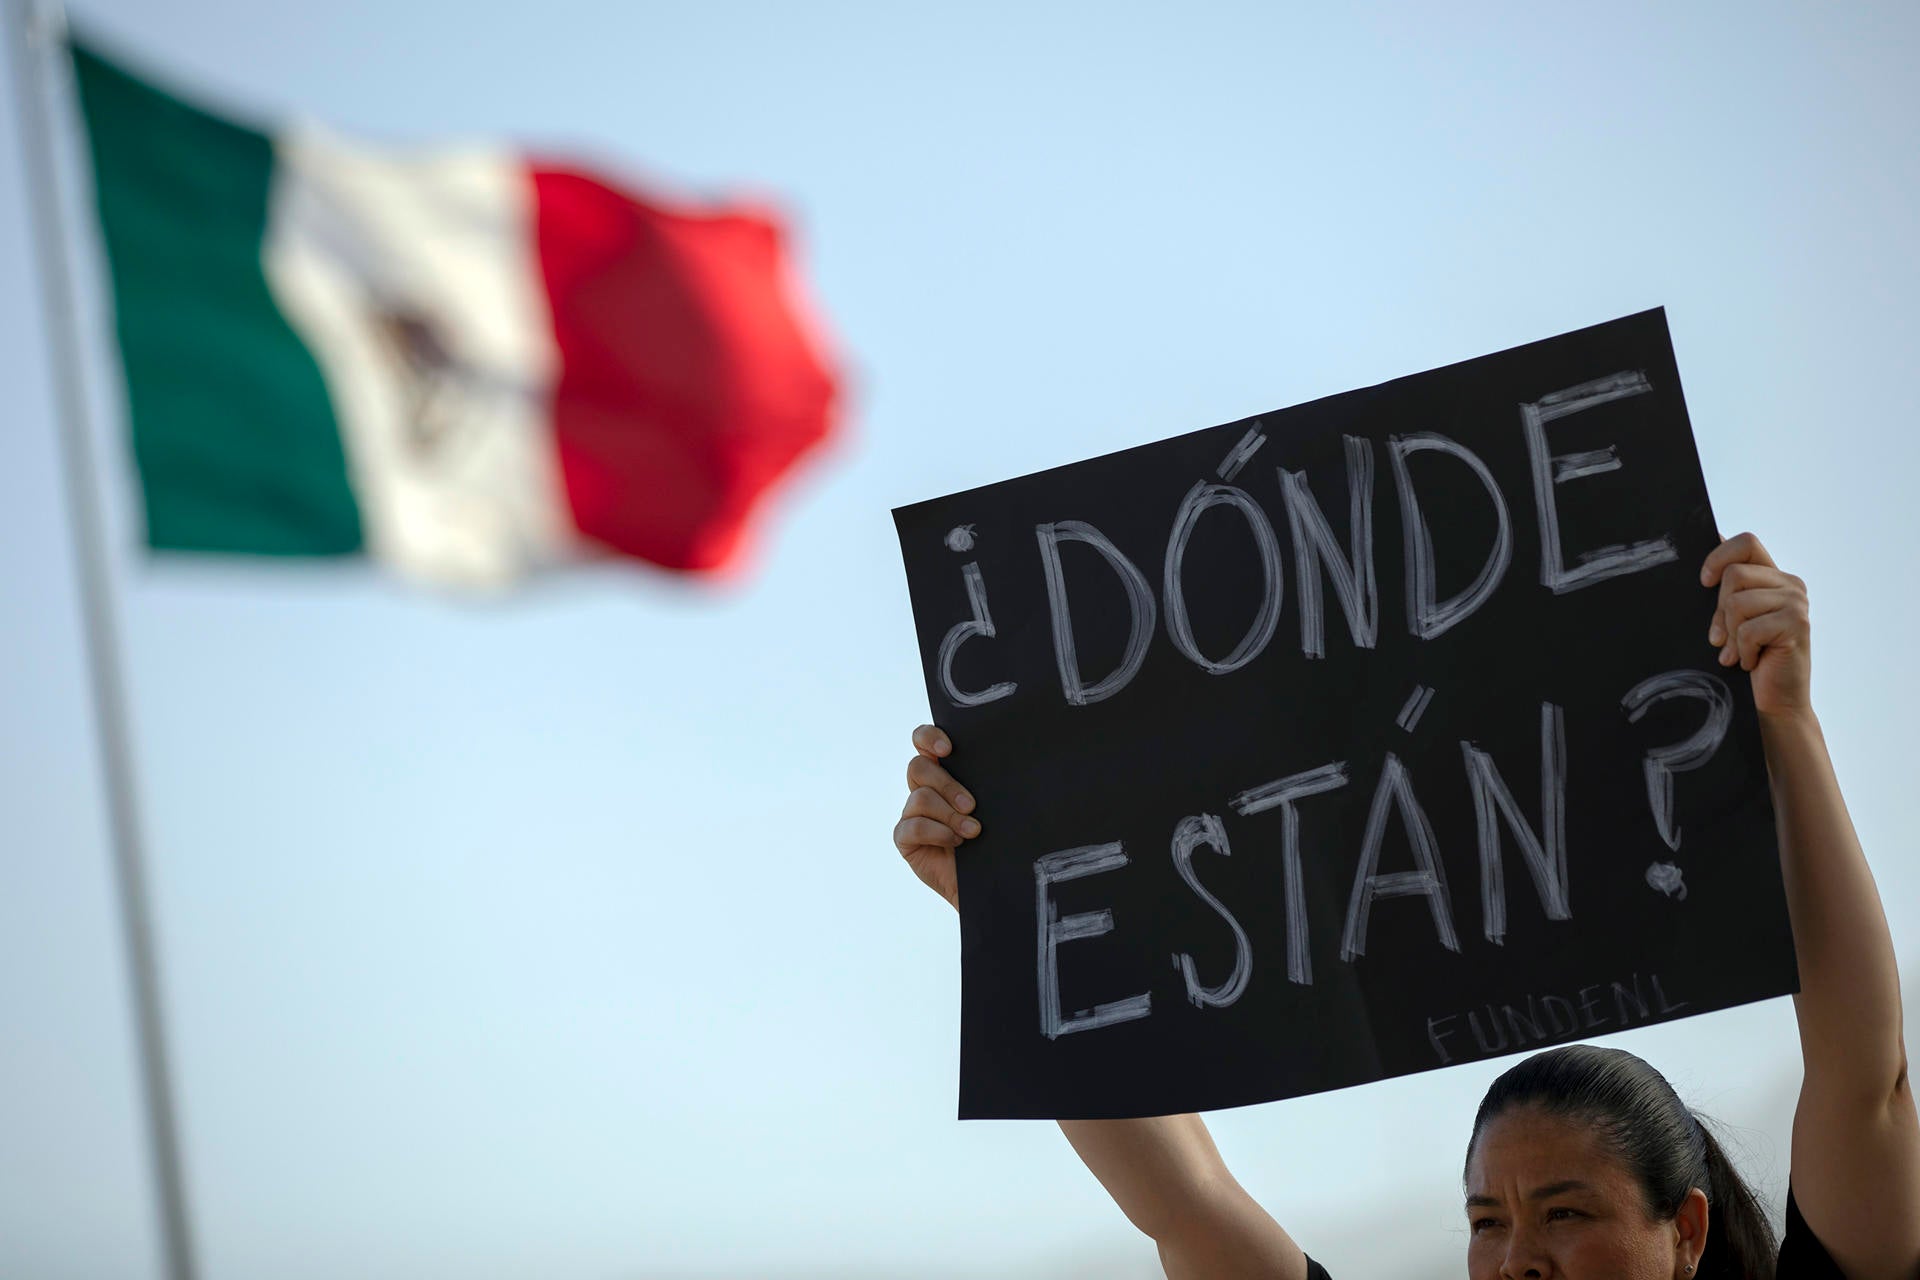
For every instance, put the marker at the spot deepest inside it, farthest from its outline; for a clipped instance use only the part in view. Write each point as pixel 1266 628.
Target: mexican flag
pixel 462 362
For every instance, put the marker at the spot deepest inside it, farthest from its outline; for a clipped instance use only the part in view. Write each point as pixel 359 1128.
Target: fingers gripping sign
pixel 937 818
pixel 1761 623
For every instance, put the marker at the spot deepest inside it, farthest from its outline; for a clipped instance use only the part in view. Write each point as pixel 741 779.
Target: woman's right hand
pixel 937 817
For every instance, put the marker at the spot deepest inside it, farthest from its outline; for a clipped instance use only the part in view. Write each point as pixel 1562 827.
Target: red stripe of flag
pixel 689 381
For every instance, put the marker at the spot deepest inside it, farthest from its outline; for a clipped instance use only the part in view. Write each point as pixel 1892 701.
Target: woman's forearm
pixel 1157 1169
pixel 1849 1001
pixel 1168 1178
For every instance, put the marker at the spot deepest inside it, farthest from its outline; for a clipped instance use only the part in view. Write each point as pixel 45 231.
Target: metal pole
pixel 31 32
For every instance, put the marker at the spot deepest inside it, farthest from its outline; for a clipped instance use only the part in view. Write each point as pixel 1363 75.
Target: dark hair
pixel 1668 1150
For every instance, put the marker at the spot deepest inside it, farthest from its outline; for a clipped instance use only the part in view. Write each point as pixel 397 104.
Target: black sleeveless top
pixel 1802 1256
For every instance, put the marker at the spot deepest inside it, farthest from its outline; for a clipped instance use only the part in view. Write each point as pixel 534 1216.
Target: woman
pixel 1582 1164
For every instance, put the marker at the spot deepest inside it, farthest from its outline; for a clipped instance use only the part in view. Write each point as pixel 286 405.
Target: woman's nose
pixel 1525 1259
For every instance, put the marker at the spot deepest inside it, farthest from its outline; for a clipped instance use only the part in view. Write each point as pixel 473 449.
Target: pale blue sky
pixel 563 937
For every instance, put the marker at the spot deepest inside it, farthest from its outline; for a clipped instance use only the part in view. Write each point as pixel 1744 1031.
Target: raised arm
pixel 1856 1140
pixel 1164 1172
pixel 1168 1178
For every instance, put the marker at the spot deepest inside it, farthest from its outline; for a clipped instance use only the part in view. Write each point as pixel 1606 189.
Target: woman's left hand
pixel 1761 623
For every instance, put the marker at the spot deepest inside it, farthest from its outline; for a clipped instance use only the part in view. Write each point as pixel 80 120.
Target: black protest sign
pixel 1357 739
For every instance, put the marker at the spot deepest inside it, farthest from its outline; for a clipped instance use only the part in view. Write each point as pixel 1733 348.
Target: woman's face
pixel 1548 1200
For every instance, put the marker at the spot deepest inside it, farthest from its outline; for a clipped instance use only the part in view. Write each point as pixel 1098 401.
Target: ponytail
pixel 1740 1242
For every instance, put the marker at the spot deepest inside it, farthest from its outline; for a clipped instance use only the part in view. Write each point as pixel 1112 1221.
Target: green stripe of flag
pixel 234 436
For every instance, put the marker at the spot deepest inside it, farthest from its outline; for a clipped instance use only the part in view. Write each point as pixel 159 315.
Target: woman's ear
pixel 1690 1234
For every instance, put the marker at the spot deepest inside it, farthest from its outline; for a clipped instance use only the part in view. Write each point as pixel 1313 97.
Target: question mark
pixel 1690 753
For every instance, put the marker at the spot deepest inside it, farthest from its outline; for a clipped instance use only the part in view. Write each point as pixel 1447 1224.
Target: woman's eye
pixel 1483 1224
pixel 1563 1214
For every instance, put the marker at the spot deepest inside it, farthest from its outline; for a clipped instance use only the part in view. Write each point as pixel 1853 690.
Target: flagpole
pixel 30 31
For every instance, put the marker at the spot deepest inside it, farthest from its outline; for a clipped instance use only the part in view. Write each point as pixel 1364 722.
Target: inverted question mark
pixel 960 540
pixel 1689 753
